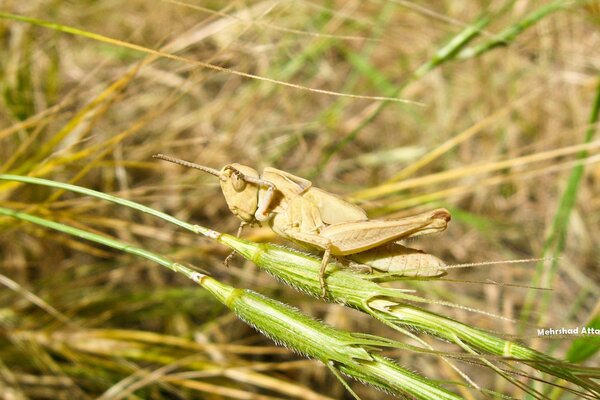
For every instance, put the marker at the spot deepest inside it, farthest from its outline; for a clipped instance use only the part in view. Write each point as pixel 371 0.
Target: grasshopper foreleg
pixel 238 234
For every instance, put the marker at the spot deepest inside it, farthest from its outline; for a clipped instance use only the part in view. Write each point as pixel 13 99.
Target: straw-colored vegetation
pixel 489 109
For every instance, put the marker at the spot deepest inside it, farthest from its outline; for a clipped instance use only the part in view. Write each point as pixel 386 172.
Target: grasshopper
pixel 314 218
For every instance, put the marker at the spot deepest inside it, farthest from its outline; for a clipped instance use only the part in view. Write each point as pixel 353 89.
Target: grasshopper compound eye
pixel 237 181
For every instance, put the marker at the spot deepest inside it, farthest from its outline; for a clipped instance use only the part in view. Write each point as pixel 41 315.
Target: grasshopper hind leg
pixel 315 241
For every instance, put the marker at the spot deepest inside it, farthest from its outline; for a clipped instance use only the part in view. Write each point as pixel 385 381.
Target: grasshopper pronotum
pixel 312 217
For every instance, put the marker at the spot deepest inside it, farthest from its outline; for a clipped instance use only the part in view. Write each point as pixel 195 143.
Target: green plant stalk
pixel 339 349
pixel 115 244
pixel 359 291
pixel 482 341
pixel 287 326
pixel 301 271
pixel 452 48
pixel 584 348
pixel 509 34
pixel 113 199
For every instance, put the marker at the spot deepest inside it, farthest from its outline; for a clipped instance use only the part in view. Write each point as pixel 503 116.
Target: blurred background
pixel 496 122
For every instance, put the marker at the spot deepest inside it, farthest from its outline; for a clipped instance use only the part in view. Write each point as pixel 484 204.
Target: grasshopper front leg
pixel 238 234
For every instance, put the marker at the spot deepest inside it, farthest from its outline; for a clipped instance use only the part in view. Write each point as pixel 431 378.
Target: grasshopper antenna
pixel 187 164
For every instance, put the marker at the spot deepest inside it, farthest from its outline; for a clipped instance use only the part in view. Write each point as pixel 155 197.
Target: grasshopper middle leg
pixel 318 242
pixel 324 262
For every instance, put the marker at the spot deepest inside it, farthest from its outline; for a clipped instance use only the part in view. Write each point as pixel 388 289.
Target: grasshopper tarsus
pixel 228 258
pixel 238 234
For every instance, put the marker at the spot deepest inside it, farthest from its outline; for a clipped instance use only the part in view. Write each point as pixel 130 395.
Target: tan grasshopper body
pixel 312 217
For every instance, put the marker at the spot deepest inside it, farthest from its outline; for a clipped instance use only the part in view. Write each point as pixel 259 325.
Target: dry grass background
pixel 79 110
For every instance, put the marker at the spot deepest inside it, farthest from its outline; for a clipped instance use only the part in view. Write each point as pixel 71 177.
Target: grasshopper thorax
pixel 240 193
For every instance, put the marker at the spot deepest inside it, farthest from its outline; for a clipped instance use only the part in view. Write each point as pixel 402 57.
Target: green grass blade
pixel 93 237
pixel 453 47
pixel 108 197
pixel 585 347
pixel 508 35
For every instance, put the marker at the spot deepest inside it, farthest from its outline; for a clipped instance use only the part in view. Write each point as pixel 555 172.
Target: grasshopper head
pixel 240 194
pixel 238 183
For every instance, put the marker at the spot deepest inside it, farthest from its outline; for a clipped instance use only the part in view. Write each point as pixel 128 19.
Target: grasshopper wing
pixel 355 237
